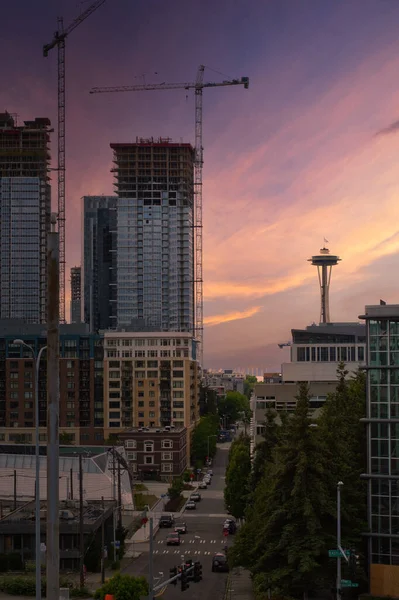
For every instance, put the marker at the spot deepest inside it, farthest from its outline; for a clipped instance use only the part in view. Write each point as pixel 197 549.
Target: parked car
pixel 180 528
pixel 210 472
pixel 230 525
pixel 173 539
pixel 219 563
pixel 195 497
pixel 202 485
pixel 166 521
pixel 191 505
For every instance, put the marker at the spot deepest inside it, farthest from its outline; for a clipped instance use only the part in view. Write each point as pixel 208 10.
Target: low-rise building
pixel 224 381
pixel 17 530
pixel 315 355
pixel 156 453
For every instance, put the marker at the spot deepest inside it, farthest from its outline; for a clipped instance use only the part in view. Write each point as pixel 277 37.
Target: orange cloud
pixel 232 316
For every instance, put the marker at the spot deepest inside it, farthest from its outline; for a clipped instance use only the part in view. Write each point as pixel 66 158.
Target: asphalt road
pixel 202 540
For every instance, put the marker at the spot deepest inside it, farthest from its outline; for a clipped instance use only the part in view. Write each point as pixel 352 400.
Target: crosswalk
pixel 181 551
pixel 196 542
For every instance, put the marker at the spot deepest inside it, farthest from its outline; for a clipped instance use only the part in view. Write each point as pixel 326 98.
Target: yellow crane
pixel 198 86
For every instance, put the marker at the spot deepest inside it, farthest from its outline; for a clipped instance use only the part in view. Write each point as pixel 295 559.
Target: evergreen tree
pixel 237 477
pixel 345 438
pixel 296 526
pixel 263 454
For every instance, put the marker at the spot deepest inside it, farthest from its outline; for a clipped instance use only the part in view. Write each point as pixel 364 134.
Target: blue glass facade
pixel 155 258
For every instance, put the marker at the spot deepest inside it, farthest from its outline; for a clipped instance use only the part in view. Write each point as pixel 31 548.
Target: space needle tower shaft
pixel 324 263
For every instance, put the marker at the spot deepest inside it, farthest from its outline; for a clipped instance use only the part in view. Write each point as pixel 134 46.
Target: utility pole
pixel 81 536
pixel 102 543
pixel 15 489
pixel 339 485
pixel 53 400
pixel 119 496
pixel 71 476
pixel 151 563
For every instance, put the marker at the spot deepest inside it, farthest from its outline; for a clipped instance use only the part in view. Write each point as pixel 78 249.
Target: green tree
pixel 233 405
pixel 237 477
pixel 175 490
pixel 345 437
pixel 292 522
pixel 249 384
pixel 123 587
pixel 263 455
pixel 206 430
pixel 66 439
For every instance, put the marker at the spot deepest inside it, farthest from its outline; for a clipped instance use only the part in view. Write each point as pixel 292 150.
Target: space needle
pixel 324 263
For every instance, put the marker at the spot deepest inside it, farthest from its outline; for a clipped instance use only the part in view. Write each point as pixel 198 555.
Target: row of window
pixel 149 444
pixel 165 467
pixel 164 456
pixel 330 353
pixel 110 342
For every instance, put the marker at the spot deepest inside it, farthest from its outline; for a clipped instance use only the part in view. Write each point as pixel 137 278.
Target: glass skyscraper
pixel 382 422
pixel 99 261
pixel 25 204
pixel 155 256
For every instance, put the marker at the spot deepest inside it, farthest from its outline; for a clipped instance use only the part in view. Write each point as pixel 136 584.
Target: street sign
pixel 348 583
pixel 336 553
pixel 117 544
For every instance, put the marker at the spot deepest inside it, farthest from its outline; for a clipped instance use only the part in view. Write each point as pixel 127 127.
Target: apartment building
pixel 76 294
pixel 151 379
pixel 155 235
pixel 156 453
pixel 224 381
pixel 81 384
pixel 382 422
pixel 25 204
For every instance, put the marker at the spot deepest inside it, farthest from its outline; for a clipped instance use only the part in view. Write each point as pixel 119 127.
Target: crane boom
pixel 169 86
pixel 58 42
pixel 198 86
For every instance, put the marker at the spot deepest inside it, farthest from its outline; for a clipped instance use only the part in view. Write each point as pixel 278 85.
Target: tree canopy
pixel 204 438
pixel 237 477
pixel 233 405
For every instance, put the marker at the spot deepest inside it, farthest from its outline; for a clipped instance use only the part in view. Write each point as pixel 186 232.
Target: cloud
pixel 232 316
pixel 392 128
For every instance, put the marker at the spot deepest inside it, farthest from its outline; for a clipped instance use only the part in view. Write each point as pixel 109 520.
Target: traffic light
pixel 183 580
pixel 173 573
pixel 197 571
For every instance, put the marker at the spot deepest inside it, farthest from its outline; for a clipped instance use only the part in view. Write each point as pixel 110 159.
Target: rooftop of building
pixel 153 430
pixel 382 310
pixel 329 333
pixel 127 332
pixel 9 121
pixel 68 512
pixel 151 142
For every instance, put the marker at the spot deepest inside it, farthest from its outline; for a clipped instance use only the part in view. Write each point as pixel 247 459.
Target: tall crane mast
pixel 59 41
pixel 198 87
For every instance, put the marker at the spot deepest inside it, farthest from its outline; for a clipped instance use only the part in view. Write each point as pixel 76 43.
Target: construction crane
pixel 284 345
pixel 59 41
pixel 198 86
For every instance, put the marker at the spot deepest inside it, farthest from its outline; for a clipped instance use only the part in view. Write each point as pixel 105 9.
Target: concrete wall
pixel 314 371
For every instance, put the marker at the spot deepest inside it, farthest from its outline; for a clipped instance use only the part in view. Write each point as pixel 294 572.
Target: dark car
pixel 173 539
pixel 181 527
pixel 219 563
pixel 166 521
pixel 196 497
pixel 191 505
pixel 230 525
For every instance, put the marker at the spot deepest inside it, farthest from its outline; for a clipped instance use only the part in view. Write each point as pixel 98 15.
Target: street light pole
pixel 339 485
pixel 38 566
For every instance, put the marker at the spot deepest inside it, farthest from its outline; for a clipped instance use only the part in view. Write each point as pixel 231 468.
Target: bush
pixel 176 488
pixel 115 565
pixel 123 587
pixel 25 585
pixel 174 504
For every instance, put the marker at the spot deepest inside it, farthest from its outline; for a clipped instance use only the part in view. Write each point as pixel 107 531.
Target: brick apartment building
pixel 81 384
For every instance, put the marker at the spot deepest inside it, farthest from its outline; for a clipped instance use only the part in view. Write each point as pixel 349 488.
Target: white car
pixel 202 485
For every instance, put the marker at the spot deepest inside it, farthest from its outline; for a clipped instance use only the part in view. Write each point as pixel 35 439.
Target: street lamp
pixel 36 360
pixel 209 437
pixel 339 486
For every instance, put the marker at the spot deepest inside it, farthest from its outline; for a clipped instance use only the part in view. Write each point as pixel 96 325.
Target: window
pixel 148 446
pixel 131 455
pixel 152 415
pixel 166 456
pixel 152 364
pixel 141 414
pixel 167 467
pixel 134 467
pixel 141 404
pixel 114 404
pixel 178 374
pixel 178 363
pixel 131 444
pixel 114 415
pixel 360 353
pixel 167 444
pixel 149 460
pixel 152 374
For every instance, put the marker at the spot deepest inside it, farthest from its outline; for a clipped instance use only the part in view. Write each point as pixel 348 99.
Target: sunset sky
pixel 310 151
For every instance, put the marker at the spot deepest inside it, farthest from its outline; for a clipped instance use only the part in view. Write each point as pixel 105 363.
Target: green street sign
pixel 336 553
pixel 348 583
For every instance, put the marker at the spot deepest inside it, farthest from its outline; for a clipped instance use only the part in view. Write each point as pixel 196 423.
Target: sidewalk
pixel 239 585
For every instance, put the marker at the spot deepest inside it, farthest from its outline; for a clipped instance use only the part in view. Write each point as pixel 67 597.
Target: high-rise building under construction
pixel 25 205
pixel 155 231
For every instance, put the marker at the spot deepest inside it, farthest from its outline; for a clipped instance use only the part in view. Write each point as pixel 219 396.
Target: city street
pixel 202 540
